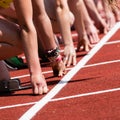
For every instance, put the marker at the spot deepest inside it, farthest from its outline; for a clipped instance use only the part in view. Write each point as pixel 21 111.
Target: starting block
pixel 12 86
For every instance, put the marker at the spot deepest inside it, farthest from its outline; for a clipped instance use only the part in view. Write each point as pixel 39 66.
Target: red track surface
pixel 93 93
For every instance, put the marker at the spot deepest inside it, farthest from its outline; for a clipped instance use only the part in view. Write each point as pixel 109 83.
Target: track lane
pixel 33 110
pixel 27 99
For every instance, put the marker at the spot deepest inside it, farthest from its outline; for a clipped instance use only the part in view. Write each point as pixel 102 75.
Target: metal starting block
pixel 12 85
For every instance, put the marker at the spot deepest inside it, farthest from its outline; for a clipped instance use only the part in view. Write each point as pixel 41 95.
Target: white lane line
pixel 46 72
pixel 42 102
pixel 17 105
pixel 31 103
pixel 86 94
pixel 90 65
pixel 113 42
pixel 27 75
pixel 102 63
pixel 64 98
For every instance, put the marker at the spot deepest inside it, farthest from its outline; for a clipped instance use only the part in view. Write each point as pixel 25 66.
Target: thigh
pixel 9 12
pixel 50 8
pixel 43 7
pixel 24 11
pixel 10 42
pixel 9 32
pixel 38 7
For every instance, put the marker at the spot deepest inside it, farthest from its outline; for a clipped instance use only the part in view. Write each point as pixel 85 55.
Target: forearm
pixel 84 13
pixel 45 33
pixel 106 6
pixel 78 10
pixel 43 25
pixel 28 35
pixel 31 50
pixel 62 12
pixel 92 9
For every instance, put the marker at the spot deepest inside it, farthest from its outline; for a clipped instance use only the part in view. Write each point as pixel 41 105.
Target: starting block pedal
pixel 12 86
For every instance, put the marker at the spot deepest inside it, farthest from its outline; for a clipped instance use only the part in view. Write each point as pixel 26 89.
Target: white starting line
pixel 65 98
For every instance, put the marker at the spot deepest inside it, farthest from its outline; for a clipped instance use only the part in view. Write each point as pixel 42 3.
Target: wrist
pixel 88 22
pixel 54 55
pixel 82 35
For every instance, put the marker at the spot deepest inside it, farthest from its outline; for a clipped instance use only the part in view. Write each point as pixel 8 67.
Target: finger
pixel 69 61
pixel 65 60
pixel 62 72
pixel 79 46
pixel 74 60
pixel 40 90
pixel 95 38
pixel 108 23
pixel 91 39
pixel 45 89
pixel 105 31
pixel 87 46
pixel 35 89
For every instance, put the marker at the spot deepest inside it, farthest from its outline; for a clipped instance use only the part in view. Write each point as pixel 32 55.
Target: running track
pixel 89 91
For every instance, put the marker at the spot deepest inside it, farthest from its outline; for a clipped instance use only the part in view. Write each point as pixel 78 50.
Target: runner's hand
pixel 92 33
pixel 58 68
pixel 39 84
pixel 83 44
pixel 69 55
pixel 110 20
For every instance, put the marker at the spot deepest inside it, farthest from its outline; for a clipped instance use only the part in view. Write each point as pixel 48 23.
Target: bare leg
pixel 4 73
pixel 10 44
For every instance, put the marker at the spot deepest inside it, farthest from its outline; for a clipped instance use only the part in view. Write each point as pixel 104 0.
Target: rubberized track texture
pixel 89 91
